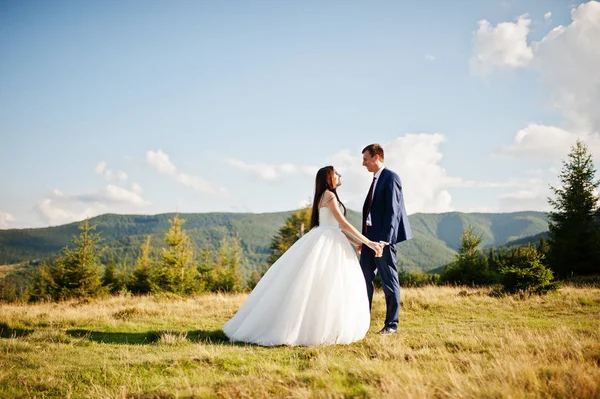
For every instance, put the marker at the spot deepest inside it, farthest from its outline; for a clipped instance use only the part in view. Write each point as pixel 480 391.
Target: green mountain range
pixel 436 236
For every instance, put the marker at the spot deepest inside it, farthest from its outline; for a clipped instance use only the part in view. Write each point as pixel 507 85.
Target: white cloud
pixel 135 188
pixel 534 198
pixel 271 172
pixel 548 17
pixel 501 47
pixel 163 165
pixel 568 60
pixel 161 162
pixel 109 175
pixel 100 167
pixel 416 159
pixel 427 186
pixel 59 208
pixel 510 183
pixel 534 172
pixel 5 219
pixel 430 57
pixel 541 142
pixel 118 195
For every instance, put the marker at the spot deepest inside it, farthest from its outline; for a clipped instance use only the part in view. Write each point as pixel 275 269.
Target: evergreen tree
pixel 469 266
pixel 42 286
pixel 139 282
pixel 574 230
pixel 543 248
pixel 234 264
pixel 77 272
pixel 8 290
pixel 206 264
pixel 289 233
pixel 177 270
pixel 110 279
pixel 492 259
pixel 526 273
pixel 224 274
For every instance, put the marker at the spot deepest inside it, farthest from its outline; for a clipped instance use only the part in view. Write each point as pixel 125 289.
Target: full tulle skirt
pixel 315 294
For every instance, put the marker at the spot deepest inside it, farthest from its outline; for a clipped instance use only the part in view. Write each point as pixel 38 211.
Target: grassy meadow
pixel 452 342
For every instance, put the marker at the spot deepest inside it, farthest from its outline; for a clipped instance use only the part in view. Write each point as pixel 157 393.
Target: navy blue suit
pixel 389 223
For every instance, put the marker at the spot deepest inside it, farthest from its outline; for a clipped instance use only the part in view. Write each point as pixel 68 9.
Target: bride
pixel 315 293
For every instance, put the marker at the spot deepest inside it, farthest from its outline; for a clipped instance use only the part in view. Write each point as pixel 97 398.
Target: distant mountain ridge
pixel 436 236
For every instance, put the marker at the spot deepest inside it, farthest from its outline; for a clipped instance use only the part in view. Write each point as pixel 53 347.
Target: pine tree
pixel 224 274
pixel 8 290
pixel 543 248
pixel 42 285
pixel 140 278
pixel 110 279
pixel 574 231
pixel 234 264
pixel 289 233
pixel 527 273
pixel 177 270
pixel 469 265
pixel 76 272
pixel 206 265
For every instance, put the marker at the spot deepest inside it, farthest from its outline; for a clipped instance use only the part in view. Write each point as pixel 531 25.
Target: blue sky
pixel 200 106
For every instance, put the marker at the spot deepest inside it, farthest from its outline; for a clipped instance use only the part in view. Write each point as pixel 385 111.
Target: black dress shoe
pixel 387 331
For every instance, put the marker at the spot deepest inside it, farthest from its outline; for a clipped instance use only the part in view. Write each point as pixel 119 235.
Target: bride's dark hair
pixel 323 182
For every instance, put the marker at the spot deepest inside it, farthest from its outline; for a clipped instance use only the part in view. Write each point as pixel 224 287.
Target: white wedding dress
pixel 315 294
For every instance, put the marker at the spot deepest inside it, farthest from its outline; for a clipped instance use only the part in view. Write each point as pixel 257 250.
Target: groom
pixel 384 219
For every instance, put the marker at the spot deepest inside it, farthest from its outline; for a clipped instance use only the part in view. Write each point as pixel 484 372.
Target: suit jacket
pixel 389 221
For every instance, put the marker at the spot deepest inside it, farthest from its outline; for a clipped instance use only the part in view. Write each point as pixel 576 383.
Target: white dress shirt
pixel 376 176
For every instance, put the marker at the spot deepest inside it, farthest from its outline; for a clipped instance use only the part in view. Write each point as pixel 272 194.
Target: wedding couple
pixel 315 294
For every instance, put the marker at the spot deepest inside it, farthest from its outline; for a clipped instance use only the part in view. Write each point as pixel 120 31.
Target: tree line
pixel 176 268
pixel 572 249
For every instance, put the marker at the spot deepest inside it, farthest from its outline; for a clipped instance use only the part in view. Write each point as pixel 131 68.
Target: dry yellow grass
pixel 452 343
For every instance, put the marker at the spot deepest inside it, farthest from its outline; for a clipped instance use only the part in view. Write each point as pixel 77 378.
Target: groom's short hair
pixel 374 149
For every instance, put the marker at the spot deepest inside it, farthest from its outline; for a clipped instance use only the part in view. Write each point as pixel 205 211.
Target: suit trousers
pixel 386 267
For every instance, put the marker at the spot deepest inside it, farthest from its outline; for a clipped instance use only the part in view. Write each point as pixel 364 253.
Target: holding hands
pixel 377 247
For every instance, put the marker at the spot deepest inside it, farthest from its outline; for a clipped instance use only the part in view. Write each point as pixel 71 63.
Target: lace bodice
pixel 326 218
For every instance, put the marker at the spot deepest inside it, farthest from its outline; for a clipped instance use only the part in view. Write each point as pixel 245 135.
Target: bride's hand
pixel 357 245
pixel 377 247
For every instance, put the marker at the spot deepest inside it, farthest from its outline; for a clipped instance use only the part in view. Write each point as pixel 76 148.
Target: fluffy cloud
pixel 541 142
pixel 568 60
pixel 59 208
pixel 427 186
pixel 500 47
pixel 548 17
pixel 416 158
pixel 108 174
pixel 163 165
pixel 5 219
pixel 161 162
pixel 534 198
pixel 271 172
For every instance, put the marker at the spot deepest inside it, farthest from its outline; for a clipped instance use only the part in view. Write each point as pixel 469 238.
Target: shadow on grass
pixel 127 338
pixel 149 337
pixel 7 332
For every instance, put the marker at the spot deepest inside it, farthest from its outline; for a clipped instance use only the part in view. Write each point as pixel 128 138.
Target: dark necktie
pixel 369 201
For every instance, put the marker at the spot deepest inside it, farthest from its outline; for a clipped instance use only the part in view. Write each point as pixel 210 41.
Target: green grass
pixel 452 342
